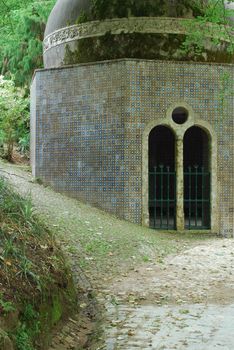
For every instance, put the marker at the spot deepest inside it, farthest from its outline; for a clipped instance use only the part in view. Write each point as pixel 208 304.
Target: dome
pixel 64 13
pixel 81 31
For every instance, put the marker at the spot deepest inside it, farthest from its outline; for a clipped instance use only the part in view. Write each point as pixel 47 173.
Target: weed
pixel 6 306
pixel 23 340
pixel 24 143
pixel 30 318
pixel 145 258
pixel 29 313
pixel 9 247
pixel 83 263
pixel 114 301
pixel 26 271
pixel 184 311
pixel 27 210
pixel 98 247
pixel 72 250
pixel 38 180
pixel 17 208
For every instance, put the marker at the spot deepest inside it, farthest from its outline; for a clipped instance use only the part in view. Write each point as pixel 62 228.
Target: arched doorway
pixel 162 178
pixel 197 179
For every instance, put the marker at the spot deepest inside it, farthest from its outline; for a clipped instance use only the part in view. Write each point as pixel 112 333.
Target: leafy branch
pixel 214 23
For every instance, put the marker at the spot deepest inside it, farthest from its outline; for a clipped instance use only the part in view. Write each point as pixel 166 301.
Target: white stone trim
pixel 147 25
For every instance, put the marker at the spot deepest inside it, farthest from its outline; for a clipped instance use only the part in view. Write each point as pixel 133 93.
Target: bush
pixel 14 118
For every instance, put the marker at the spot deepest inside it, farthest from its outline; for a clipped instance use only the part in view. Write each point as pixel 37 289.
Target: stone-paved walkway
pixel 195 327
pixel 188 303
pixel 183 302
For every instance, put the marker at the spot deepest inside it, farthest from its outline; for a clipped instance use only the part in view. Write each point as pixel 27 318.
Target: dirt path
pixel 159 291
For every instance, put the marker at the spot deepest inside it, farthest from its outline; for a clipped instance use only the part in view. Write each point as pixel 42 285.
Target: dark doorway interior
pixel 196 179
pixel 162 178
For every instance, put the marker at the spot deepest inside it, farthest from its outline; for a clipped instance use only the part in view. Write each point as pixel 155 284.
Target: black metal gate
pixel 162 198
pixel 197 198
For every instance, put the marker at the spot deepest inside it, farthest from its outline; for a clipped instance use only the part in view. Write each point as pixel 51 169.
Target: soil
pixel 156 291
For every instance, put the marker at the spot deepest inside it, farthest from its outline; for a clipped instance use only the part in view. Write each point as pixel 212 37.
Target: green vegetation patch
pixel 22 25
pixel 36 289
pixel 14 120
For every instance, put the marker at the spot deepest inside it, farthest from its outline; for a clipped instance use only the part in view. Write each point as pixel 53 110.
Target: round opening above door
pixel 180 115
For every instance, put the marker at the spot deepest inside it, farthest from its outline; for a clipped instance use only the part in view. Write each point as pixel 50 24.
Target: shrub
pixel 14 118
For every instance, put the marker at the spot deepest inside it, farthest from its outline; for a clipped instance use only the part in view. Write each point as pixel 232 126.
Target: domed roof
pixel 65 13
pixel 154 29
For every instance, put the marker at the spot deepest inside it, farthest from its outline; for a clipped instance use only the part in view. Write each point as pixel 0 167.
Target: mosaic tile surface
pixel 88 121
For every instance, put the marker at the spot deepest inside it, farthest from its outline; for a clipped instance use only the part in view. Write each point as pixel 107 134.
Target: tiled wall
pixel 90 120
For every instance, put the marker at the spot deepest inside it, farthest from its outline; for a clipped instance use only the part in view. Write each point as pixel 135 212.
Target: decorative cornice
pixel 146 25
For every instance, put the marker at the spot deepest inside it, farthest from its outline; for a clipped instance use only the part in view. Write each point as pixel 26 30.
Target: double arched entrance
pixel 179 176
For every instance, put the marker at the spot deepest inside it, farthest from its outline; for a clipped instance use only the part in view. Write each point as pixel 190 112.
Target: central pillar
pixel 179 184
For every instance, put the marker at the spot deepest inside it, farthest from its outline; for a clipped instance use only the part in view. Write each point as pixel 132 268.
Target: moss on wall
pixel 147 46
pixel 102 9
pixel 137 45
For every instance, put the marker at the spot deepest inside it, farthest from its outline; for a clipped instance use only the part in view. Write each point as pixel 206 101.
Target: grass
pixel 6 306
pixel 20 240
pixel 32 267
pixel 105 246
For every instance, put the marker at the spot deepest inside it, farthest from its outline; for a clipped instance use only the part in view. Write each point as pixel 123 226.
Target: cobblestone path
pixel 195 327
pixel 186 304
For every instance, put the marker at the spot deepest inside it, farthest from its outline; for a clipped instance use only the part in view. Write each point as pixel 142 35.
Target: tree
pixel 216 22
pixel 22 25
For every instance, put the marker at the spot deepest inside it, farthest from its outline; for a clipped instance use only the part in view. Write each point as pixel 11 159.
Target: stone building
pixel 124 119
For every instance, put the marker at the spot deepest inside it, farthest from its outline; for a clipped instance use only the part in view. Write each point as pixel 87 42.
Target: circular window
pixel 180 115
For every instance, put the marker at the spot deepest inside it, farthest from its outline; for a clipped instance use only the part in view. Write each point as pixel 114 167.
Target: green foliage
pixel 26 268
pixel 57 310
pixel 14 118
pixel 30 320
pixel 9 248
pixel 23 339
pixel 12 205
pixel 33 273
pixel 215 13
pixel 24 143
pixel 6 306
pixel 22 27
pixel 20 212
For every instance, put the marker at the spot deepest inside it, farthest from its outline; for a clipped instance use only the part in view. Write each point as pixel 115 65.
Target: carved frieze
pixel 149 25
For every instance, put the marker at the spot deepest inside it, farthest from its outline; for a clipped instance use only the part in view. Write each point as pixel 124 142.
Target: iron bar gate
pixel 162 198
pixel 197 198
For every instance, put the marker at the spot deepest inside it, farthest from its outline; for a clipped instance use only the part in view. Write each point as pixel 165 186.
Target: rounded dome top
pixel 81 31
pixel 65 13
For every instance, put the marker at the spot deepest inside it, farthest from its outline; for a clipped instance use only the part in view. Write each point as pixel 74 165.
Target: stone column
pixel 179 184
